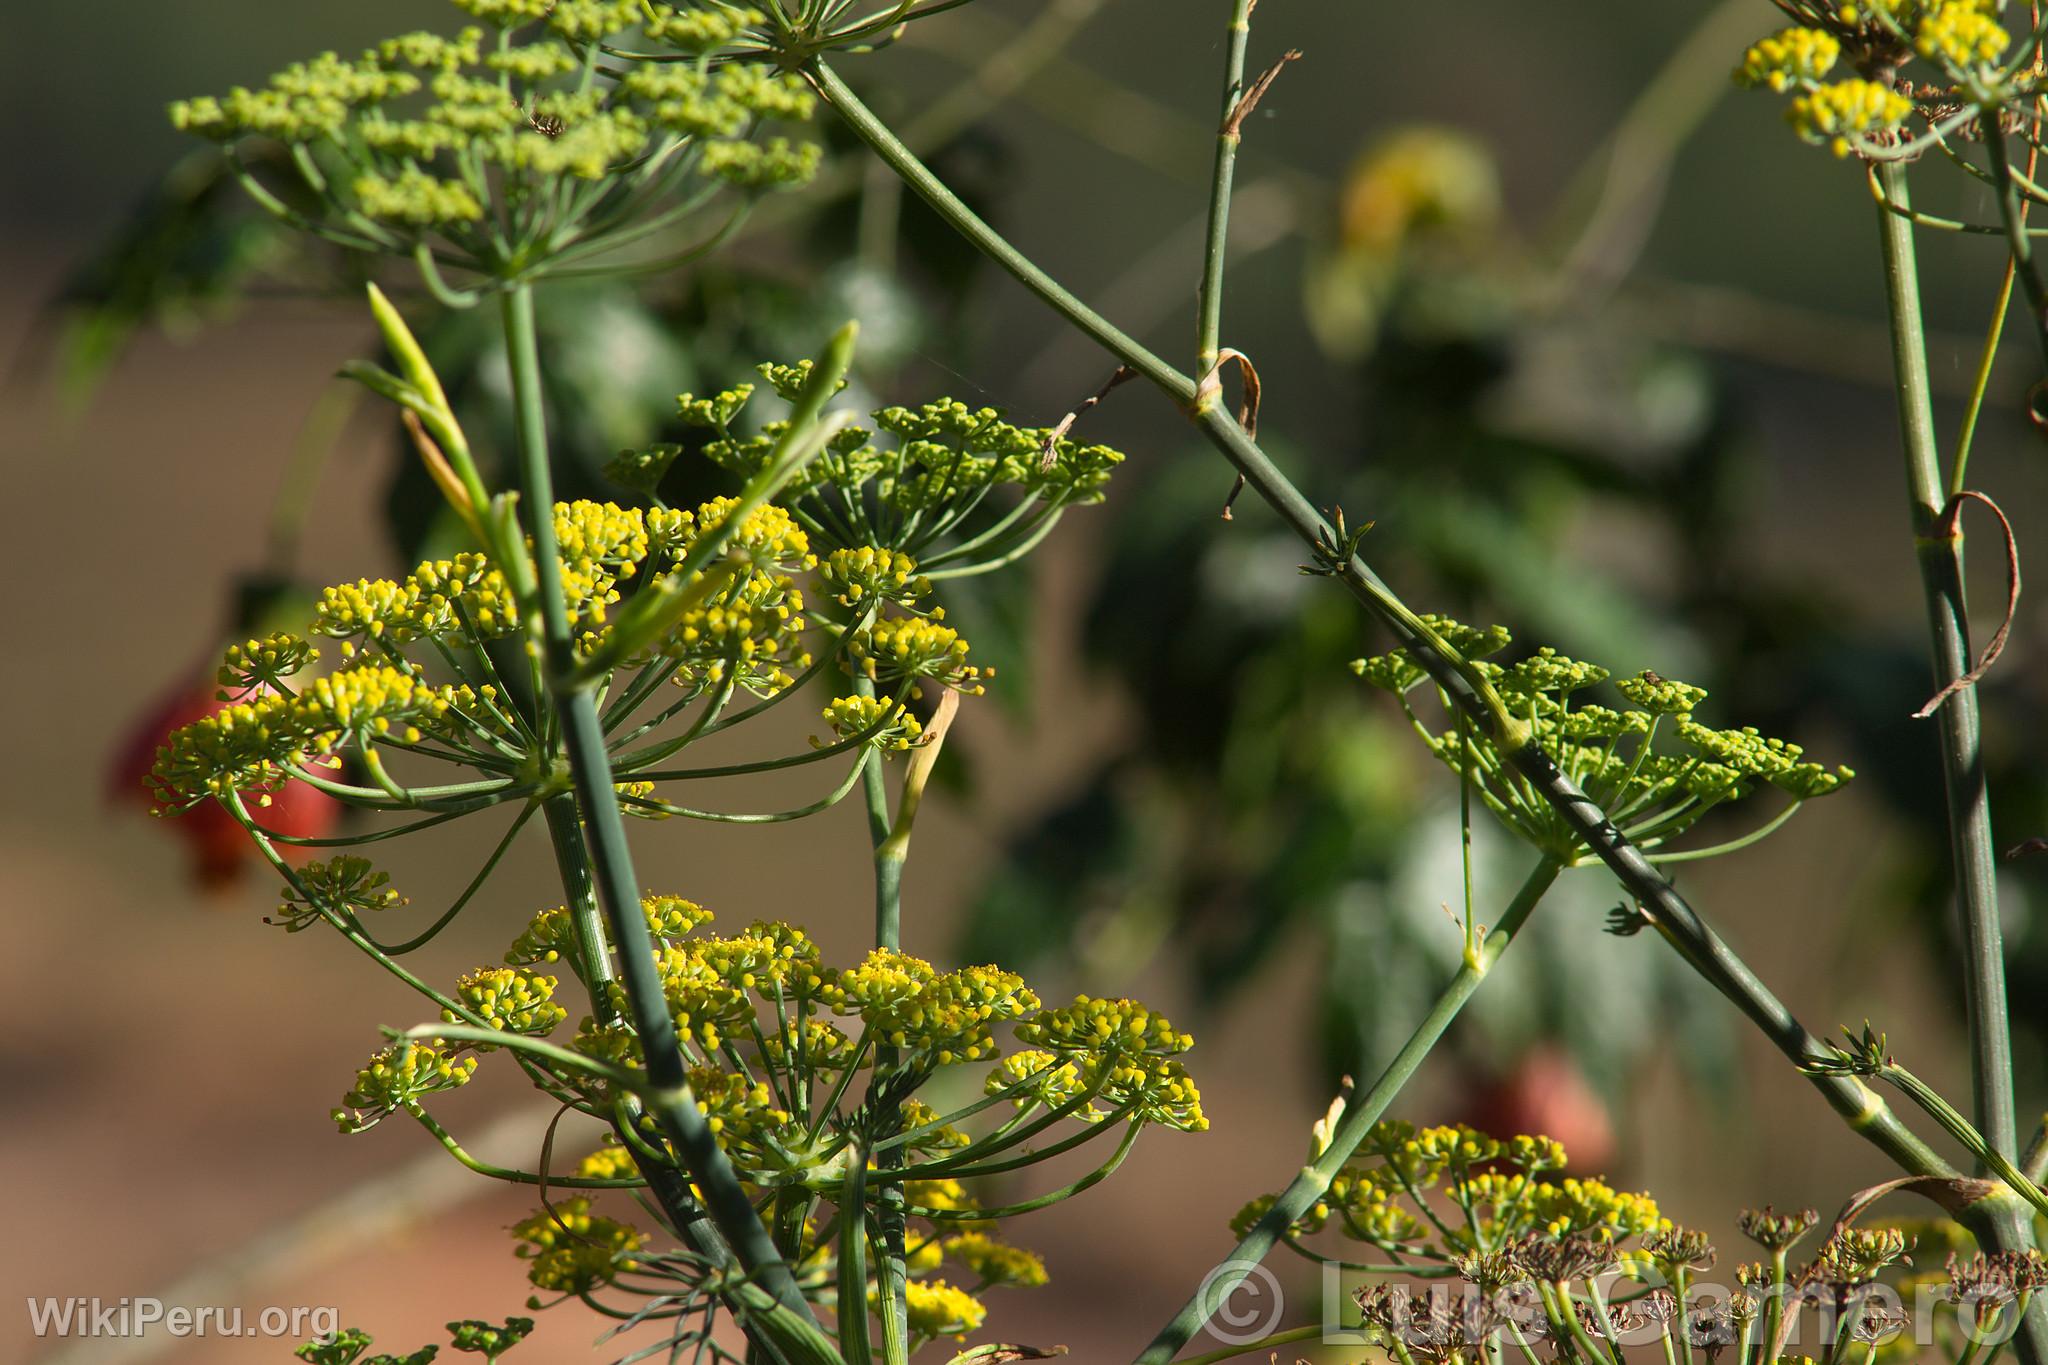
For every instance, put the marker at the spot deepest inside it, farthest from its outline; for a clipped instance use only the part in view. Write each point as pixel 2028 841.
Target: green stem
pixel 669 1097
pixel 1980 384
pixel 893 1272
pixel 1964 783
pixel 579 896
pixel 2011 214
pixel 1292 1334
pixel 1359 1117
pixel 1209 302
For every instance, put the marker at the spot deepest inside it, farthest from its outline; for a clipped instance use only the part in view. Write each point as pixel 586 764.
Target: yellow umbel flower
pixel 772 958
pixel 934 1199
pixel 573 1250
pixel 397 1078
pixel 997 1263
pixel 1038 1077
pixel 1793 56
pixel 511 1000
pixel 857 715
pixel 1961 34
pixel 609 1163
pixel 937 1309
pixel 1847 109
pixel 1091 1024
pixel 865 572
pixel 905 647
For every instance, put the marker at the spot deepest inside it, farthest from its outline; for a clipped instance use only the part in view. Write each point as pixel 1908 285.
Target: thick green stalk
pixel 1940 552
pixel 1209 302
pixel 1359 1117
pixel 579 897
pixel 670 1099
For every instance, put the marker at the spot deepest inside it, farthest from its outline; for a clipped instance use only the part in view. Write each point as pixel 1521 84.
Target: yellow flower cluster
pixel 573 1250
pixel 1612 754
pixel 942 1015
pixel 861 573
pixel 416 199
pixel 509 999
pixel 818 1046
pixel 751 623
pixel 934 1199
pixel 900 648
pixel 737 1109
pixel 262 665
pixel 1095 1025
pixel 251 746
pixel 769 537
pixel 1149 1089
pixel 702 29
pixel 747 635
pixel 551 934
pixel 937 1309
pixel 423 607
pixel 672 917
pixel 1834 114
pixel 772 958
pixel 705 1006
pixel 997 1263
pixel 346 884
pixel 398 1078
pixel 1788 58
pixel 1507 1190
pixel 1962 34
pixel 610 1162
pixel 1034 1076
pixel 857 715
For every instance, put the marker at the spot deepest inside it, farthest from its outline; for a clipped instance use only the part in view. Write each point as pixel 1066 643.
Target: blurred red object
pixel 1546 1093
pixel 220 850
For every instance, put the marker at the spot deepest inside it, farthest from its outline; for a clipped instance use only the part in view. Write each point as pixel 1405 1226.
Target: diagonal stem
pixel 1209 302
pixel 670 1098
pixel 1359 1117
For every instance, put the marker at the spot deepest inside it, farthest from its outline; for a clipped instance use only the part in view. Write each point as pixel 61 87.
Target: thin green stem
pixel 1359 1118
pixel 1209 302
pixel 2011 213
pixel 1292 1334
pixel 1980 384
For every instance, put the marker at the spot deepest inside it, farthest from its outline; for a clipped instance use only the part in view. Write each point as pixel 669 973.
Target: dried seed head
pixel 1995 1280
pixel 1681 1248
pixel 1774 1231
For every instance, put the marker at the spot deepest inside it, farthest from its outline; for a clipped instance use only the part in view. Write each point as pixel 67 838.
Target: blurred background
pixel 1592 338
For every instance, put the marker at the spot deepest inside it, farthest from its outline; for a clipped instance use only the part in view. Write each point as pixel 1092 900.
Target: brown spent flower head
pixel 1997 1279
pixel 1856 1255
pixel 1558 1259
pixel 1774 1231
pixel 1681 1248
